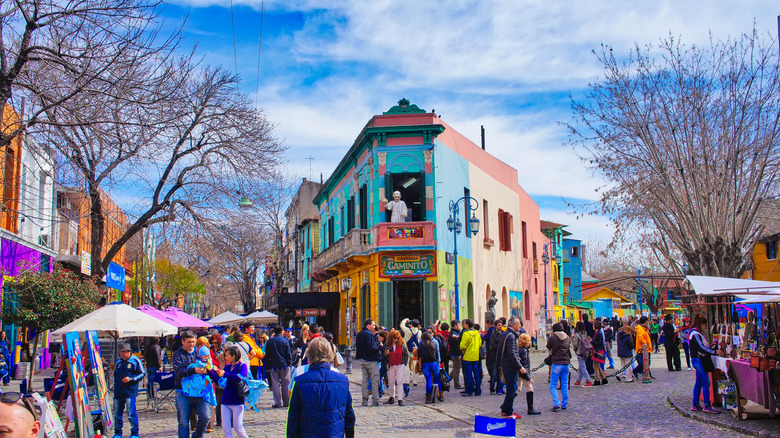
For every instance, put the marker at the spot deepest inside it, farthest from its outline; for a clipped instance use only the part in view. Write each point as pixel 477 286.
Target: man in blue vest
pixel 128 371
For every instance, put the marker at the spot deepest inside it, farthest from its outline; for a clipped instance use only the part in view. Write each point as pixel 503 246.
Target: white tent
pixel 718 286
pixel 224 318
pixel 118 320
pixel 256 317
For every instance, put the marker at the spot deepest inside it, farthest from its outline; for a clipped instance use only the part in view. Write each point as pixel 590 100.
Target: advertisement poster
pixel 516 304
pixel 99 377
pixel 78 385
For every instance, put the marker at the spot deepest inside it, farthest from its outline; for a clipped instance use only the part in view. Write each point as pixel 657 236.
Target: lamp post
pixel 456 226
pixel 545 260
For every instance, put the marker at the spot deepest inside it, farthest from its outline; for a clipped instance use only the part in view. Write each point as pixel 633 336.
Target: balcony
pixel 384 236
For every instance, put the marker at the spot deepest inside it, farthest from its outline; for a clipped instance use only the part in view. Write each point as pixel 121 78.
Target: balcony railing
pixel 384 235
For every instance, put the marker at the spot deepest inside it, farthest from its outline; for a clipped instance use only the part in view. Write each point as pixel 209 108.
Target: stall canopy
pixel 119 320
pixel 157 313
pixel 224 318
pixel 720 286
pixel 256 317
pixel 184 318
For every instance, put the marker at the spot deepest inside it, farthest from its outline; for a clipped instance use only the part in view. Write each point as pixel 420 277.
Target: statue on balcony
pixel 397 207
pixel 491 307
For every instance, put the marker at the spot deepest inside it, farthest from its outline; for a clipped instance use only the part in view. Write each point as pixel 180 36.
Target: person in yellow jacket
pixel 249 338
pixel 643 348
pixel 470 341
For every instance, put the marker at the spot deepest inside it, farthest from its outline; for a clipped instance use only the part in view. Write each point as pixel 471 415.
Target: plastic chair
pixel 164 390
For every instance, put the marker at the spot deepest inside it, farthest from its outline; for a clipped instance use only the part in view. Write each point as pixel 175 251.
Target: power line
pixel 233 26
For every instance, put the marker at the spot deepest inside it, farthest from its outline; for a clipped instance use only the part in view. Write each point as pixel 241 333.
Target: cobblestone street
pixel 618 409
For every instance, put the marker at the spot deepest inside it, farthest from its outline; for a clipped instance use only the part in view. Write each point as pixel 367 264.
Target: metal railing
pixel 357 241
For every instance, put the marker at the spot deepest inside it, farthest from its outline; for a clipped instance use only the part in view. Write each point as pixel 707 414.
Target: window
pixel 485 219
pixel 533 245
pixel 331 230
pixel 504 230
pixel 343 222
pixel 467 212
pixel 575 251
pixel 351 213
pixel 363 206
pixel 771 249
pixel 525 242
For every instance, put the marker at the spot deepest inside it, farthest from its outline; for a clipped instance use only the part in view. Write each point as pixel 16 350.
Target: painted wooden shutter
pixel 501 230
pixel 385 291
pixel 430 302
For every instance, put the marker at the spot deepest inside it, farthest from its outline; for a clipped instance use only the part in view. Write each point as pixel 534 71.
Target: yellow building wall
pixel 11 169
pixel 764 270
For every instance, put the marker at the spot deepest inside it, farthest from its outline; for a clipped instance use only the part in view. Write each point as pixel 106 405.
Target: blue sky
pixel 328 66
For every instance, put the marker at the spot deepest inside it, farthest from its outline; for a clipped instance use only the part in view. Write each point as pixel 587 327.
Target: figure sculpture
pixel 491 306
pixel 397 207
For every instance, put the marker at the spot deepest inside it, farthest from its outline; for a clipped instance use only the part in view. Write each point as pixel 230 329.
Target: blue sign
pixel 115 277
pixel 495 426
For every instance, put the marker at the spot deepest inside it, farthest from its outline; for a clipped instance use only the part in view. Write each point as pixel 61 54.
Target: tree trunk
pixel 96 231
pixel 33 356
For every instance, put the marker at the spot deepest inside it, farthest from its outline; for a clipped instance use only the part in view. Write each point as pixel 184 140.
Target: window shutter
pixel 501 229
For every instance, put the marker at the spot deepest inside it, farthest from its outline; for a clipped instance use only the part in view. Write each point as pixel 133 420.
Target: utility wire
pixel 233 25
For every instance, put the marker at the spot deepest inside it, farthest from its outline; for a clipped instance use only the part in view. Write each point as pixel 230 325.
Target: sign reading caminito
pixel 407 265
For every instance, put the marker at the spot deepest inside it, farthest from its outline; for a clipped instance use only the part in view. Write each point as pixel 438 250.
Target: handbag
pixel 243 388
pixel 707 364
pixel 444 379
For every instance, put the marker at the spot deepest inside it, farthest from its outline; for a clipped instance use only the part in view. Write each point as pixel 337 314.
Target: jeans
pixel 672 356
pixel 150 372
pixel 583 372
pixel 687 349
pixel 186 404
pixel 496 385
pixel 473 376
pixel 132 415
pixel 702 385
pixel 608 353
pixel 279 381
pixel 559 373
pixel 508 407
pixel 431 373
pixel 370 372
pixel 627 375
pixel 233 418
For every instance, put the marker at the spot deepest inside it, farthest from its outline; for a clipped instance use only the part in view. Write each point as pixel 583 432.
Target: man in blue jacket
pixel 368 354
pixel 128 371
pixel 185 404
pixel 277 361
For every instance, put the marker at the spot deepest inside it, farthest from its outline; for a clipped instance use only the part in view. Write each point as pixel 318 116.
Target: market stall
pixel 745 333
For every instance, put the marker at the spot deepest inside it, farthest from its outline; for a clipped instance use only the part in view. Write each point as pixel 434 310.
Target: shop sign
pixel 115 276
pixel 310 312
pixel 86 263
pixel 405 232
pixel 407 265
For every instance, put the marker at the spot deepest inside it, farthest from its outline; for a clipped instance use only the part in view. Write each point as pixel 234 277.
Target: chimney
pixel 482 128
pixel 321 179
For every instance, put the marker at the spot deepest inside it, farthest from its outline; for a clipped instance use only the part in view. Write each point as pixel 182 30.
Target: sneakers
pixel 696 408
pixel 710 410
pixel 577 383
pixel 512 415
pixel 689 368
pixel 555 408
pixel 400 402
pixel 588 384
pixel 365 402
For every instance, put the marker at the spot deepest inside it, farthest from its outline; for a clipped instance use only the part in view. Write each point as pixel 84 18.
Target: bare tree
pixel 84 39
pixel 179 137
pixel 687 138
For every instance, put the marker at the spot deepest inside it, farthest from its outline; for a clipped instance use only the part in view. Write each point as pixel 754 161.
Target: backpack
pixel 587 348
pixel 444 348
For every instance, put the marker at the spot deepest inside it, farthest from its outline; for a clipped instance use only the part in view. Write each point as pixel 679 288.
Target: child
pixel 525 380
pixel 128 371
pixel 199 385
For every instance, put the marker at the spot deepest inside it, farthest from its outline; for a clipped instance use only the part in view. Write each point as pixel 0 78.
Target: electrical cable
pixel 233 25
pixel 259 52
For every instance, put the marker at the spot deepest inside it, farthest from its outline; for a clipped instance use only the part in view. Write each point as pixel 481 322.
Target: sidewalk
pixel 760 427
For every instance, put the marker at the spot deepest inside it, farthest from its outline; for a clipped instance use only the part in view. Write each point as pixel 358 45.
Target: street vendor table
pixel 753 385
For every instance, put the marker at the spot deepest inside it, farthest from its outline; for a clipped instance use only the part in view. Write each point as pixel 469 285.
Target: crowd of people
pixel 211 369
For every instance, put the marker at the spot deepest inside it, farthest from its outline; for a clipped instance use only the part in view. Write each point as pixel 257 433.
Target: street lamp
pixel 545 260
pixel 456 226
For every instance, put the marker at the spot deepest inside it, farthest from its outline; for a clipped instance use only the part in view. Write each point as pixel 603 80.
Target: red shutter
pixel 508 228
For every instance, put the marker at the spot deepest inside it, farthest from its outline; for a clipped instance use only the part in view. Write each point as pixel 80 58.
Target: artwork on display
pixel 516 304
pixel 407 265
pixel 78 385
pixel 99 377
pixel 50 420
pixel 405 232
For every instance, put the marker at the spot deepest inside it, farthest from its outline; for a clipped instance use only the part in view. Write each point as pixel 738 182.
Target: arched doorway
pixel 470 303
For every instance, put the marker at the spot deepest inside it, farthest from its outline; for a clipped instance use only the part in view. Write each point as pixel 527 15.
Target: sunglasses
pixel 13 398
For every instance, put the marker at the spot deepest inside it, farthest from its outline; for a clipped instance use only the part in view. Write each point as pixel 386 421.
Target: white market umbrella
pixel 717 286
pixel 119 320
pixel 256 317
pixel 224 318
